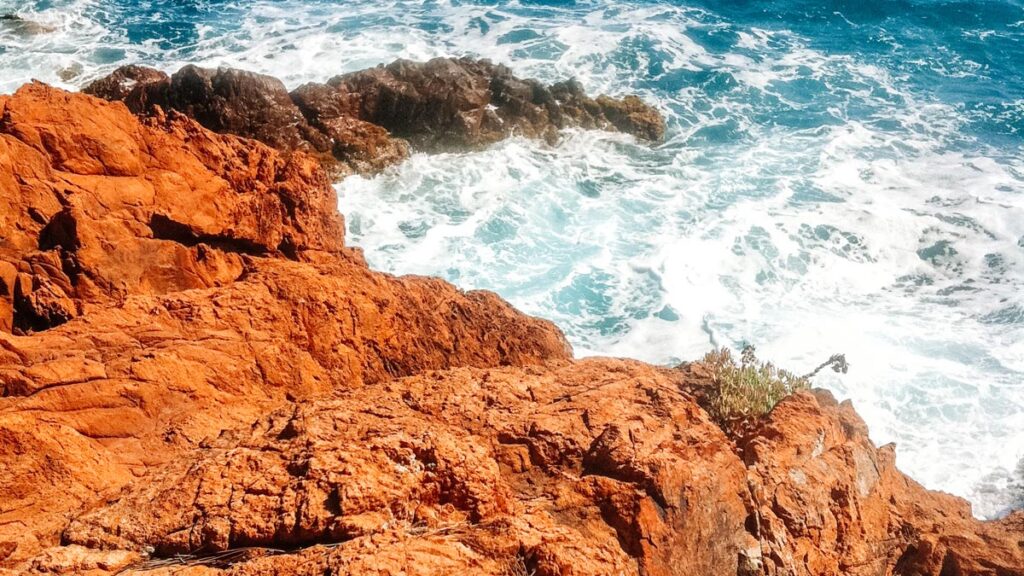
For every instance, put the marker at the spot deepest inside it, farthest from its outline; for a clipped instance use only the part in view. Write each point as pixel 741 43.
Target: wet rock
pixel 360 122
pixel 22 26
pixel 633 116
pixel 364 147
pixel 448 103
pixel 238 102
pixel 224 100
pixel 230 101
pixel 131 84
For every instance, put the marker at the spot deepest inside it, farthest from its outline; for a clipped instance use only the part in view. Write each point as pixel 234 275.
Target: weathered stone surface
pixel 97 206
pixel 499 461
pixel 829 502
pixel 209 372
pixel 233 101
pixel 449 103
pixel 230 101
pixel 131 84
pixel 364 147
pixel 443 104
pixel 633 116
pixel 179 260
pixel 224 100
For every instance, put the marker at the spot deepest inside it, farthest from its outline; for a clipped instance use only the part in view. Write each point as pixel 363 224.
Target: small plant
pixel 748 390
pixel 837 362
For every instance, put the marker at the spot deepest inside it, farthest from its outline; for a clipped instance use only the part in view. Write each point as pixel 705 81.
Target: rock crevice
pixel 198 377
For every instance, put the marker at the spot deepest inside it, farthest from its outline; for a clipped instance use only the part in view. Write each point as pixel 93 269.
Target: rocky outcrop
pixel 580 469
pixel 599 467
pixel 230 101
pixel 133 85
pixel 450 103
pixel 97 207
pixel 827 501
pixel 351 122
pixel 212 383
pixel 162 283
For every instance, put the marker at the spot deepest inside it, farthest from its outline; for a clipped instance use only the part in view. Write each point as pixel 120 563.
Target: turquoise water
pixel 837 177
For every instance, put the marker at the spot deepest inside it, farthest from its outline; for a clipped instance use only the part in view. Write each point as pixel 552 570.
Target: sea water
pixel 838 176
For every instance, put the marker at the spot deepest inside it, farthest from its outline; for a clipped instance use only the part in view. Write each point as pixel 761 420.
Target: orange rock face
pixel 98 207
pixel 198 377
pixel 207 282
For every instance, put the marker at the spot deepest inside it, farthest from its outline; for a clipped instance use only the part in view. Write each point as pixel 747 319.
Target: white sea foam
pixel 892 259
pixel 766 217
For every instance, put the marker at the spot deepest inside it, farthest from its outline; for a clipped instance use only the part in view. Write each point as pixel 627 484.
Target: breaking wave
pixel 837 177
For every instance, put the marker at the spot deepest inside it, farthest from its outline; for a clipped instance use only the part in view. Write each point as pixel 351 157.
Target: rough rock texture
pixel 451 103
pixel 366 147
pixel 183 391
pixel 201 271
pixel 829 502
pixel 96 206
pixel 230 101
pixel 494 464
pixel 443 104
pixel 131 84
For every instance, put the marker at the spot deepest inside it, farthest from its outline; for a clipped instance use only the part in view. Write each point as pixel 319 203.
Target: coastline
pixel 195 363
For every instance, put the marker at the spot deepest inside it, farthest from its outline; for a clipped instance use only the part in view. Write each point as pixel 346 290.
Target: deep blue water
pixel 841 176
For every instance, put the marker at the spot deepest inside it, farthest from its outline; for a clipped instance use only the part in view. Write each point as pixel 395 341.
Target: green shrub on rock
pixel 747 390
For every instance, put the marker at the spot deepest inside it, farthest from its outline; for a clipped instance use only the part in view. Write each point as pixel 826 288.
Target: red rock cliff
pixel 197 377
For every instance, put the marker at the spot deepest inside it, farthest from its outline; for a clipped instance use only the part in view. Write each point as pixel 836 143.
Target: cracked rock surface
pixel 197 377
pixel 364 121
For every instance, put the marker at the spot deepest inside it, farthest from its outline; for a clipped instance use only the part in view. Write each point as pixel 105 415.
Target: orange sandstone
pixel 192 363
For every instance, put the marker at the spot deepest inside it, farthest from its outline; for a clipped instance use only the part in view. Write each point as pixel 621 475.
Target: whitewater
pixel 837 177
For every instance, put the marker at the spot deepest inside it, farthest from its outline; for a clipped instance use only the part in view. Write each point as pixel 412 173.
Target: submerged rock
pixel 351 123
pixel 212 383
pixel 23 26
